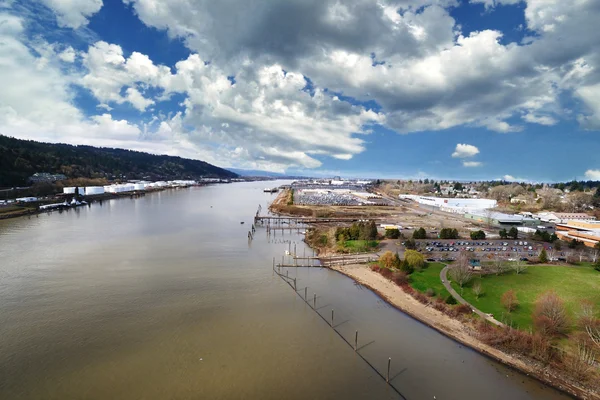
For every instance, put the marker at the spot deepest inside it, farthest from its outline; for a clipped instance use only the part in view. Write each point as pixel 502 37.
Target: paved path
pixel 458 297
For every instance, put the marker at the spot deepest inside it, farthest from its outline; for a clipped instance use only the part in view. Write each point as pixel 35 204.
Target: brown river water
pixel 162 297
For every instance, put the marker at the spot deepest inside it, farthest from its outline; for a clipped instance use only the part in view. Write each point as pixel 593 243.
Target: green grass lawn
pixel 429 277
pixel 359 246
pixel 572 284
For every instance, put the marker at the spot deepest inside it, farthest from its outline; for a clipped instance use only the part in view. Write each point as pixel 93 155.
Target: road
pixel 458 297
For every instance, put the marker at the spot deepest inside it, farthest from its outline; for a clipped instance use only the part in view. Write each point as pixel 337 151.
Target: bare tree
pixel 581 254
pixel 581 362
pixel 595 254
pixel 551 254
pixel 519 266
pixel 477 289
pixel 498 266
pixel 509 300
pixel 461 271
pixel 550 315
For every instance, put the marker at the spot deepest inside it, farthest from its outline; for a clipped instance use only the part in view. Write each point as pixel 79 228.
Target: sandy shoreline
pixel 453 328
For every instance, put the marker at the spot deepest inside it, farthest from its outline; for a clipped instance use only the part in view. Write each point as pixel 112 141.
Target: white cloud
pixel 540 119
pixel 68 55
pixel 593 174
pixel 472 164
pixel 73 13
pixel 465 151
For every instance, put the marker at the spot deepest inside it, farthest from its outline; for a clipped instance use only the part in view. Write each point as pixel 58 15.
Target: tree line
pixel 19 159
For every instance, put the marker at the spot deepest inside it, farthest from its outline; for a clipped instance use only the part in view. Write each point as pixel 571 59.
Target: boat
pixel 242 222
pixel 271 190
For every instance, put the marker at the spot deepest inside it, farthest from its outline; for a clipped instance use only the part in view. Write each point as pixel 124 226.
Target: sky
pixel 443 89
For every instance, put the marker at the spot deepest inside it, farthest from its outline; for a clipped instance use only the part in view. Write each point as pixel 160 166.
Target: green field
pixel 358 246
pixel 572 283
pixel 429 277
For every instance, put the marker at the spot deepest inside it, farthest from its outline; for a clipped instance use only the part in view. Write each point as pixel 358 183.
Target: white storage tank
pixel 91 190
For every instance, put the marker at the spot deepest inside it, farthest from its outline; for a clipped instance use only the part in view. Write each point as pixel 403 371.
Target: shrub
pixel 419 234
pixel 463 309
pixel 386 272
pixel 375 267
pixel 477 235
pixel 421 298
pixel 543 256
pixel 392 233
pixel 450 300
pixel 440 307
pixel 430 292
pixel 400 278
pixel 387 260
pixel 550 315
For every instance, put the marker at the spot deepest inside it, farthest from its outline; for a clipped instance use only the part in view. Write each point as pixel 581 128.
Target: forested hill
pixel 19 159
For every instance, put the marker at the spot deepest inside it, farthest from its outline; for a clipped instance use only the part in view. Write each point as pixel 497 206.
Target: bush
pixel 448 233
pixel 386 272
pixel 406 268
pixel 410 244
pixel 400 278
pixel 392 233
pixel 463 309
pixel 450 300
pixel 478 235
pixel 430 292
pixel 440 307
pixel 375 267
pixel 419 234
pixel 421 298
pixel 543 256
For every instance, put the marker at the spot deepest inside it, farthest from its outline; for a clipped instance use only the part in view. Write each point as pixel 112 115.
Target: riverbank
pixel 458 330
pixel 15 211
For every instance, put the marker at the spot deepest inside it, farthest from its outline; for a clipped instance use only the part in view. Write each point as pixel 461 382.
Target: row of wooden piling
pixel 293 284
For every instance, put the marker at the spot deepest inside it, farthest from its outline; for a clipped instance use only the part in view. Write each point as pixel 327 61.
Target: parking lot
pixel 510 250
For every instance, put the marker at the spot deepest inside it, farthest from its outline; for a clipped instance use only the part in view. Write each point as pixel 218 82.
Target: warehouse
pixel 451 202
pixel 91 190
pixel 498 218
pixel 587 232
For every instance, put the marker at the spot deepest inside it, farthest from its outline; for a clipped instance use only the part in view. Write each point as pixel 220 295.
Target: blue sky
pixel 447 89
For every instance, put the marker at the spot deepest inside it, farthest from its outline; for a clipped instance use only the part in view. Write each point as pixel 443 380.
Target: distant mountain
pixel 20 159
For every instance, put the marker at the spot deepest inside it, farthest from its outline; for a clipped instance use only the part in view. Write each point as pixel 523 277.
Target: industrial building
pixel 498 218
pixel 557 218
pixel 449 202
pixel 587 232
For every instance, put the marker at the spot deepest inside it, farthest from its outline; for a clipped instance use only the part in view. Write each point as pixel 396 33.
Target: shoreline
pixel 455 329
pixel 30 211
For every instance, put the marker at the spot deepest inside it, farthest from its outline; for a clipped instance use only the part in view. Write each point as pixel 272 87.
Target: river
pixel 162 297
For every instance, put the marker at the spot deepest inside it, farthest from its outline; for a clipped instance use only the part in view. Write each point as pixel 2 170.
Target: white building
pixel 439 202
pixel 91 190
pixel 559 218
pixel 26 199
pixel 71 190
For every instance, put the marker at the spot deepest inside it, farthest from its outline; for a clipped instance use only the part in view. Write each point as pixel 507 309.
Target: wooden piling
pixel 387 379
pixel 355 340
pixel 315 301
pixel 332 318
pixel 305 293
